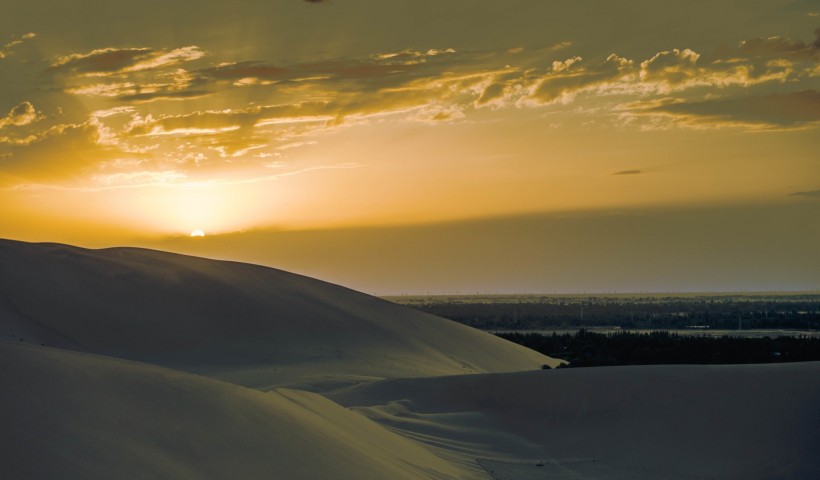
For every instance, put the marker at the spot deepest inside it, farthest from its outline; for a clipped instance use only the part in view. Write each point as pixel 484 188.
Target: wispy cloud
pixel 571 76
pixel 297 101
pixel 162 93
pixel 6 49
pixel 101 61
pixel 131 75
pixel 779 46
pixel 399 66
pixel 57 152
pixel 173 179
pixel 232 118
pixel 392 78
pixel 753 62
pixel 139 93
pixel 810 193
pixel 765 111
pixel 672 67
pixel 111 61
pixel 22 114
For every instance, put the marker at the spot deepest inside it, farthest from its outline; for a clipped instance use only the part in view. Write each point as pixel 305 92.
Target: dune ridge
pixel 249 324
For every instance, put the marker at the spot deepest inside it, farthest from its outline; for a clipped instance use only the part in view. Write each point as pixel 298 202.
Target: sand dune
pixel 245 323
pixel 17 327
pixel 724 422
pixel 74 416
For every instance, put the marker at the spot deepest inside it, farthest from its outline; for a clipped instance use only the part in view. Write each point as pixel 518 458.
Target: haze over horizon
pixel 420 146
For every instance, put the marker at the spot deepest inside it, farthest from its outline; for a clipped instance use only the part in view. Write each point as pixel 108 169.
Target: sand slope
pixel 249 324
pixel 655 422
pixel 17 327
pixel 75 416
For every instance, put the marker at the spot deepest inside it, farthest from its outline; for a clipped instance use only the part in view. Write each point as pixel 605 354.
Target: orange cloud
pixel 6 49
pixel 58 152
pixel 298 101
pixel 791 110
pixel 779 46
pixel 22 114
pixel 571 76
pixel 108 61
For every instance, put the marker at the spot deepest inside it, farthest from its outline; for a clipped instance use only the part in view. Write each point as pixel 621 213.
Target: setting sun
pixel 572 157
pixel 416 211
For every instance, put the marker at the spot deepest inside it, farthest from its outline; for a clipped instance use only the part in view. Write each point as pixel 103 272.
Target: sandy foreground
pixel 130 363
pixel 71 415
pixel 737 421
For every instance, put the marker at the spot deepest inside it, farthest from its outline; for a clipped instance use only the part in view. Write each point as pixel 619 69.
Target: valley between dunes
pixel 132 363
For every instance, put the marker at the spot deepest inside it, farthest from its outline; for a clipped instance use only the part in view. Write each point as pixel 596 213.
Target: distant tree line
pixel 799 313
pixel 588 349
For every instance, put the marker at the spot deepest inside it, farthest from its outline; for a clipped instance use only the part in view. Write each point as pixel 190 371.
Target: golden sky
pixel 260 121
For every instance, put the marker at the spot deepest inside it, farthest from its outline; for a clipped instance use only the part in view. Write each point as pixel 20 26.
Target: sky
pixel 418 146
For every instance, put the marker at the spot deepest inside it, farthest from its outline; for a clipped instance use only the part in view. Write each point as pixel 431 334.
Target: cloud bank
pixel 244 110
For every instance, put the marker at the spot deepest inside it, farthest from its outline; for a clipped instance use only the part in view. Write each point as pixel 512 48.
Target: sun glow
pixel 197 233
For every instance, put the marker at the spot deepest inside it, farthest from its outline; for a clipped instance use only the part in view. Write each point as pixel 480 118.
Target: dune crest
pixel 249 324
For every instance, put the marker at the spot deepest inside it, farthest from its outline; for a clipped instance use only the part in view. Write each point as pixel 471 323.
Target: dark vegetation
pixel 645 321
pixel 533 312
pixel 588 349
